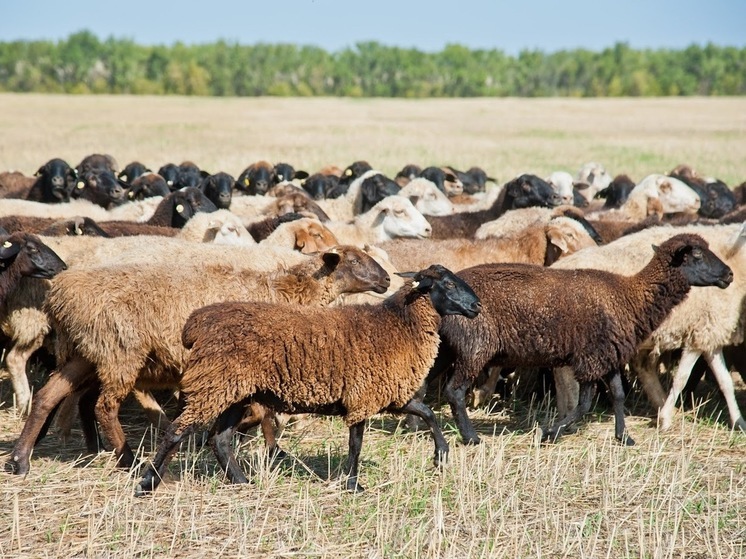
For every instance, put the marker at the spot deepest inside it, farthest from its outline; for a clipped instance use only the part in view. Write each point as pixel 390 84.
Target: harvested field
pixel 678 494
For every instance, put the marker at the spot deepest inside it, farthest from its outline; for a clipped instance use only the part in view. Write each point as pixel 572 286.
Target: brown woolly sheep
pixel 333 365
pixel 531 318
pixel 125 332
pixel 14 184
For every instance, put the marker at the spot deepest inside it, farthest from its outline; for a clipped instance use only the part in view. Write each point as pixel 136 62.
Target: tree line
pixel 85 64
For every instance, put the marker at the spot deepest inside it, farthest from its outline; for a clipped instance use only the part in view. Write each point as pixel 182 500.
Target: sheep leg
pixel 722 374
pixel 353 456
pixel 420 409
pixel 567 390
pixel 483 394
pixel 644 365
pixel 456 396
pixel 170 442
pixel 61 384
pixel 688 359
pixel 86 410
pixel 617 394
pixel 107 414
pixel 412 422
pixel 15 361
pixel 587 390
pixel 266 418
pixel 222 438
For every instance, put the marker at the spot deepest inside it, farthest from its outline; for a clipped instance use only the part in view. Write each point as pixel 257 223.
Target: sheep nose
pixel 387 280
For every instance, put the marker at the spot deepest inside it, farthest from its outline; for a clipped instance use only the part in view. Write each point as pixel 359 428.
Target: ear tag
pixel 281 178
pixel 124 178
pixel 348 172
pixel 246 182
pixel 80 185
pixel 179 208
pixel 170 183
pixel 7 244
pixel 415 284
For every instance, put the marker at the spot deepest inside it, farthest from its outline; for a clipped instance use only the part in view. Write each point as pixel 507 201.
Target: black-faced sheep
pixel 445 179
pixel 319 185
pixel 147 185
pixel 102 188
pixel 285 172
pixel 407 173
pixel 333 366
pixel 97 162
pixel 170 173
pixel 54 183
pixel 129 329
pixel 218 188
pixel 521 192
pixel 532 318
pixel 256 179
pixel 615 194
pixel 132 171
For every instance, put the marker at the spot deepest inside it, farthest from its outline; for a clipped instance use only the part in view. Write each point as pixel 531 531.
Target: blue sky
pixel 511 26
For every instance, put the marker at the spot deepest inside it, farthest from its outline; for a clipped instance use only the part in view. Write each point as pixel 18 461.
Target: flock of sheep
pixel 347 292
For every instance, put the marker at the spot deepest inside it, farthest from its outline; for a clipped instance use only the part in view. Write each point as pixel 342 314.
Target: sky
pixel 511 26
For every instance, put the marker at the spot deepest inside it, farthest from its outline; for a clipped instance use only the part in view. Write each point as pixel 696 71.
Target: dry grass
pixel 676 494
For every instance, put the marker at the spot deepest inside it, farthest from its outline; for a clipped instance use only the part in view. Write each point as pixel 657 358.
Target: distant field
pixel 679 494
pixel 504 136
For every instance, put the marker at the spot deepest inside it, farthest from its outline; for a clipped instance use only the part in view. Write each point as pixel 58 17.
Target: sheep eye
pixel 399 213
pixel 449 284
pixel 697 253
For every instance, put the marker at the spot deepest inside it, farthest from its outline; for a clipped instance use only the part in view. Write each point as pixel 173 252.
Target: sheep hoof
pixel 145 486
pixel 276 454
pixel 550 435
pixel 353 486
pixel 471 441
pixel 440 460
pixel 16 467
pixel 740 425
pixel 626 440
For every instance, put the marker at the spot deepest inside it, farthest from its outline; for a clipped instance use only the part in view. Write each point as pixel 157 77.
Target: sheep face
pixel 427 198
pixel 674 195
pixel 33 258
pixel 256 179
pixel 317 185
pixel 444 179
pixel 58 178
pixel 219 189
pixel 397 217
pixel 132 171
pixel 595 176
pixel 700 266
pixel 170 172
pixel 530 190
pixel 617 191
pixel 562 183
pixel 313 237
pixel 189 175
pixel 102 188
pixel 285 172
pixel 355 271
pixel 376 188
pixel 147 185
pixel 449 294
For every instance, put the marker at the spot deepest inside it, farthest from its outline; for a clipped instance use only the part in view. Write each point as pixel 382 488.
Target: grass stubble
pixel 678 494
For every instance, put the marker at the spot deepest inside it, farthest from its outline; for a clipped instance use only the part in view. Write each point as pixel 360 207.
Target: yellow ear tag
pixel 124 178
pixel 246 182
pixel 80 185
pixel 415 284
pixel 280 177
pixel 7 244
pixel 131 194
pixel 170 183
pixel 179 208
pixel 348 172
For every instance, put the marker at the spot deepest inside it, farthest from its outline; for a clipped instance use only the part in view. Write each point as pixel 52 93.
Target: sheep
pixel 318 184
pixel 54 183
pixel 531 318
pixel 147 185
pixel 521 192
pixel 218 188
pixel 334 365
pixel 706 322
pixel 392 217
pixel 296 202
pixel 102 188
pixel 566 187
pixel 127 327
pixel 133 211
pixel 132 171
pixel 407 173
pixel 595 176
pixel 427 197
pixel 97 161
pixel 14 184
pixel 306 235
pixel 615 194
pixel 445 179
pixel 658 194
pixel 355 197
pixel 285 172
pixel 538 243
pixel 24 255
pixel 717 198
pixel 50 226
pixel 256 179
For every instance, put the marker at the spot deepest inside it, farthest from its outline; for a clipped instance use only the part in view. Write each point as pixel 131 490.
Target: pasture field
pixel 678 494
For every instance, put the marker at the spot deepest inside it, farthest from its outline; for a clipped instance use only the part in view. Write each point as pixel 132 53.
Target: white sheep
pixel 430 200
pixel 595 176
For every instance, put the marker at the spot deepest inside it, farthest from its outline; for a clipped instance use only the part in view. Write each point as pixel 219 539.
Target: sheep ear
pixel 580 185
pixel 556 238
pixel 301 175
pixel 9 249
pixel 331 258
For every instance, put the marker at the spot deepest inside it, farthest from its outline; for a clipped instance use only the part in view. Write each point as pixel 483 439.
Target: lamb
pixel 147 185
pixel 392 217
pixel 566 187
pixel 135 343
pixel 25 255
pixel 334 366
pixel 134 170
pixel 706 322
pixel 538 243
pixel 306 235
pixel 531 318
pixel 595 176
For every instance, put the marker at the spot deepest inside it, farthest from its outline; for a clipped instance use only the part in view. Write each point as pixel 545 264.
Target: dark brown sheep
pixel 588 320
pixel 333 365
